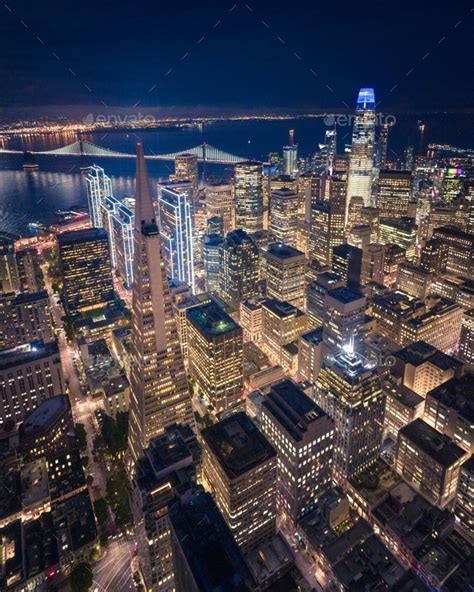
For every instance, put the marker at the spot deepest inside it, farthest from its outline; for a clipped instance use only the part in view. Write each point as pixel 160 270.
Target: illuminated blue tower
pixel 361 163
pixel 99 186
pixel 176 230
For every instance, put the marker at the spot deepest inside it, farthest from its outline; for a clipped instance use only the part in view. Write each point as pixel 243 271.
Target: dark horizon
pixel 235 57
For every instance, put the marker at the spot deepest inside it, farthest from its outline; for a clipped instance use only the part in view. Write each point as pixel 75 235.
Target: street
pixel 112 571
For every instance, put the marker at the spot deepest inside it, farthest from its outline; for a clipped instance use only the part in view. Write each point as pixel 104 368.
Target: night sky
pixel 199 55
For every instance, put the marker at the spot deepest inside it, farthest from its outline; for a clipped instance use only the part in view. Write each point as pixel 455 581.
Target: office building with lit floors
pixel 285 272
pixel 238 262
pixel 282 324
pixel 205 556
pixel 85 265
pixel 345 316
pixel 460 244
pixel 400 231
pixel 163 475
pixel 421 367
pixel 248 184
pixel 302 435
pixel 284 215
pixel 316 297
pixel 186 169
pixel 24 318
pixel 466 339
pixel 429 461
pixel 449 408
pixel 239 466
pixel 29 375
pixel 464 507
pixel 348 389
pixel 159 394
pixel 215 354
pixel 394 193
pixel 347 263
pixel 220 203
pixel 211 259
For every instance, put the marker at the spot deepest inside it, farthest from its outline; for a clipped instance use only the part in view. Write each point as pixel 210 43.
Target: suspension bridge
pixel 204 152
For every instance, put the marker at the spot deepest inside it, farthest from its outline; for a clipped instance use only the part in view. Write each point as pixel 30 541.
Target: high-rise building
pixel 164 474
pixel 400 231
pixel 393 256
pixel 30 275
pixel 460 259
pixel 361 161
pixel 99 186
pixel 215 355
pixel 302 435
pixel 9 277
pixel 454 185
pixel 24 318
pixel 421 367
pixel 317 290
pixel 290 157
pixel 348 389
pixel 448 409
pixel 344 318
pixel 330 141
pixel 310 355
pixel 282 324
pixel 466 339
pixel 373 264
pixel 394 193
pixel 383 144
pixel 159 387
pixel 220 202
pixel 84 260
pixel 238 261
pixel 403 406
pixel 327 220
pixel 285 272
pixel 429 461
pixel 205 556
pixel 29 375
pixel 347 264
pixel 371 217
pixel 464 508
pixel 413 280
pixel 211 260
pixel 434 256
pixel 121 237
pixel 251 319
pixel 248 178
pixel 239 466
pixel 175 222
pixel 48 429
pixel 186 169
pixel 284 216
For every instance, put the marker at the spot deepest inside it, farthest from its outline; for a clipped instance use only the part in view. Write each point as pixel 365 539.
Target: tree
pixel 81 436
pixel 81 577
pixel 95 554
pixel 115 434
pixel 8 425
pixel 117 496
pixel 101 510
pixel 103 540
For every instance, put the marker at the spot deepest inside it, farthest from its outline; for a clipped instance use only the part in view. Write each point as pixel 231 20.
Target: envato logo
pixel 381 360
pixel 137 119
pixel 344 119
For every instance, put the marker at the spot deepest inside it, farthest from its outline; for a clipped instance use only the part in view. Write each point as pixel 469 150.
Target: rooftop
pixel 47 413
pixel 211 319
pixel 420 352
pixel 238 445
pixel 345 295
pixel 458 394
pixel 434 444
pixel 315 336
pixel 76 236
pixel 27 353
pixel 402 394
pixel 292 408
pixel 281 308
pixel 282 251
